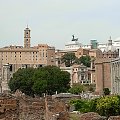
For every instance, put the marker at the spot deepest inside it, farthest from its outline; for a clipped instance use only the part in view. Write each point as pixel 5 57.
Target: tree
pixel 22 80
pixel 105 106
pixel 108 106
pixel 56 80
pixel 48 79
pixel 81 105
pixel 86 60
pixel 68 59
pixel 76 89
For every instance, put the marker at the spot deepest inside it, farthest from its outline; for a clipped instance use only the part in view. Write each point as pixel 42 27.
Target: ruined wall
pixel 31 108
pixel 9 108
pixel 56 109
pixel 26 108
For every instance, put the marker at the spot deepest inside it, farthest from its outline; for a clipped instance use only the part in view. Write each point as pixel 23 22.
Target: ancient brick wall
pixel 31 108
pixel 9 108
pixel 27 108
pixel 55 109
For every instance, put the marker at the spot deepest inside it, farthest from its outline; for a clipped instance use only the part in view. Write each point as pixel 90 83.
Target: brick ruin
pixel 21 107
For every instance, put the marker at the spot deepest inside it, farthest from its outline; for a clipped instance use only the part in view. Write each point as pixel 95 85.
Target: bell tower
pixel 27 37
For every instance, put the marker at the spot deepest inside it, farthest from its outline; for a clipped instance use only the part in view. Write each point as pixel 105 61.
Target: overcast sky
pixel 54 21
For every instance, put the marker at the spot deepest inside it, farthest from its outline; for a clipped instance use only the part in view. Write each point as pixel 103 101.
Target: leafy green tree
pixel 68 59
pixel 40 87
pixel 48 79
pixel 93 104
pixel 81 105
pixel 86 60
pixel 22 80
pixel 108 106
pixel 56 80
pixel 105 106
pixel 76 89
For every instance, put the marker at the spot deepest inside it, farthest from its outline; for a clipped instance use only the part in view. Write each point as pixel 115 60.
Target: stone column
pixel 5 77
pixel 113 84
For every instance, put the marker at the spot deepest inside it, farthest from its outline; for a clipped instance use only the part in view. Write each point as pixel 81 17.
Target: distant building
pixel 78 53
pixel 110 49
pixel 103 74
pixel 88 47
pixel 95 53
pixel 94 44
pixel 26 56
pixel 78 74
pixel 116 44
pixel 115 76
pixel 73 45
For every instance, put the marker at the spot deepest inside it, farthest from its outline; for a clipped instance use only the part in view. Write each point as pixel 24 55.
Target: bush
pixel 105 106
pixel 106 91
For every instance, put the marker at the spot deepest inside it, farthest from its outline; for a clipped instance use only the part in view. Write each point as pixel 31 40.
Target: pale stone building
pixel 26 56
pixel 115 76
pixel 73 44
pixel 78 74
pixel 110 49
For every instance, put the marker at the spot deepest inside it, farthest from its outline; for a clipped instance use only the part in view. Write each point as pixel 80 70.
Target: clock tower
pixel 27 37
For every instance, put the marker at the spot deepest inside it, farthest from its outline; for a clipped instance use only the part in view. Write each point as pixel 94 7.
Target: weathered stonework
pixel 114 118
pixel 91 116
pixel 21 107
pixel 56 109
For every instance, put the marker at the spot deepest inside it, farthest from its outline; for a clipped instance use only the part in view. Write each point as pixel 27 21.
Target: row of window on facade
pixel 43 55
pixel 26 59
pixel 41 51
pixel 84 81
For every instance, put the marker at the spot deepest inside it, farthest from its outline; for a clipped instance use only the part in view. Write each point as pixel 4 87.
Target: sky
pixel 53 22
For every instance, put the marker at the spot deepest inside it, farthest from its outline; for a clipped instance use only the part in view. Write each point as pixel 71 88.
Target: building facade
pixel 110 49
pixel 103 74
pixel 115 76
pixel 26 56
pixel 78 74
